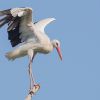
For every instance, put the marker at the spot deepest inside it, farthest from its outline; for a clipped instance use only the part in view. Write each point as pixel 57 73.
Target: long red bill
pixel 59 52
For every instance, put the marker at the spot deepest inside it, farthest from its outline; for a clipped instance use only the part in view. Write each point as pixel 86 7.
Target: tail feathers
pixel 9 56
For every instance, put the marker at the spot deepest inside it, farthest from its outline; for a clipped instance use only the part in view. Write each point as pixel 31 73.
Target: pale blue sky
pixel 77 77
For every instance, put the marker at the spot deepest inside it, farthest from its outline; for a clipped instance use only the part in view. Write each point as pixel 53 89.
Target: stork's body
pixel 28 37
pixel 41 44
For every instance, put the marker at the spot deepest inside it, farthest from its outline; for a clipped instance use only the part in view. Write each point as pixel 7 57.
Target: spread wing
pixel 43 23
pixel 17 20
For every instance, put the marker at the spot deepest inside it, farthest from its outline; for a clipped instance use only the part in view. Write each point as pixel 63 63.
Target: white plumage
pixel 29 37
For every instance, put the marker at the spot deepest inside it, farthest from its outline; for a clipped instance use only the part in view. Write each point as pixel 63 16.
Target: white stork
pixel 28 36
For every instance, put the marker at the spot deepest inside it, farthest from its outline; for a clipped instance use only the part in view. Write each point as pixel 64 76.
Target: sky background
pixel 77 77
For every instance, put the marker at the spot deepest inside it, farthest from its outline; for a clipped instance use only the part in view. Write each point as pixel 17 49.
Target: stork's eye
pixel 57 44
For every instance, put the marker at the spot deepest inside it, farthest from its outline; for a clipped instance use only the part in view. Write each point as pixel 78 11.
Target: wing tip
pixel 52 19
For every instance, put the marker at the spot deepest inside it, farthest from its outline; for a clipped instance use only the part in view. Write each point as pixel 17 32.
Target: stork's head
pixel 56 44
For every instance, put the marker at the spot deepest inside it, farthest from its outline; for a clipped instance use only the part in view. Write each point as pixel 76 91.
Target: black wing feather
pixel 5 12
pixel 13 26
pixel 13 33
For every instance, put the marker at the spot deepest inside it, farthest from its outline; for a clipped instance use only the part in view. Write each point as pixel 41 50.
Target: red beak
pixel 59 52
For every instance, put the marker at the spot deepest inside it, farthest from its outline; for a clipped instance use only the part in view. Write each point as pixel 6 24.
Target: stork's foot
pixel 35 88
